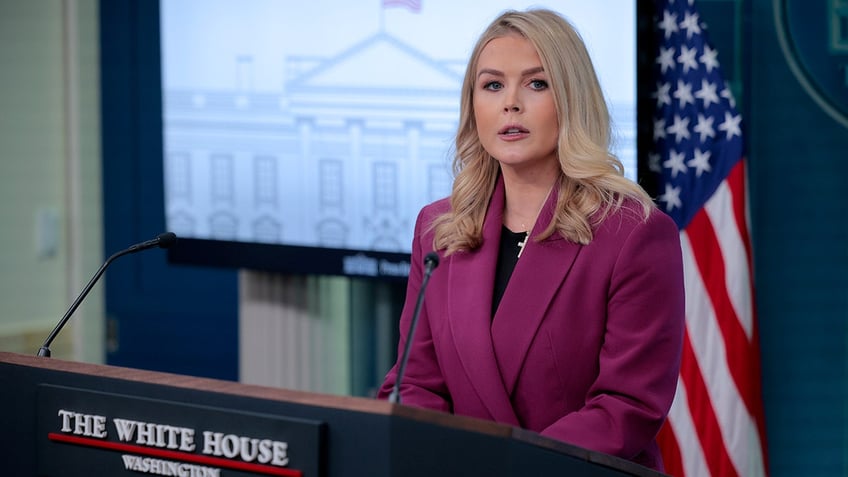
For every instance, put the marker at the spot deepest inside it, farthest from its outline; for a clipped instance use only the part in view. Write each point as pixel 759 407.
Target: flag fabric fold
pixel 716 425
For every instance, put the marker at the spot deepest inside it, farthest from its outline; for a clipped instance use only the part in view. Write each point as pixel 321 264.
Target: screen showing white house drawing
pixel 329 124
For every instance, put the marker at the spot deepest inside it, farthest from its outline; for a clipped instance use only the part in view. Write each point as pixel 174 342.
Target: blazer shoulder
pixel 630 217
pixel 660 220
pixel 434 209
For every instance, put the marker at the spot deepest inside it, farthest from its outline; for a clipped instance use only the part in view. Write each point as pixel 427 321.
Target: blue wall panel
pixel 160 316
pixel 799 178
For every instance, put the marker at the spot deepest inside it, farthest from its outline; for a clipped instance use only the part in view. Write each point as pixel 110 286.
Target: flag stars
pixel 666 59
pixel 707 93
pixel 654 162
pixel 731 125
pixel 701 162
pixel 680 128
pixel 668 24
pixel 687 58
pixel 683 93
pixel 659 129
pixel 709 58
pixel 675 163
pixel 728 95
pixel 671 197
pixel 693 111
pixel 690 24
pixel 662 94
pixel 704 127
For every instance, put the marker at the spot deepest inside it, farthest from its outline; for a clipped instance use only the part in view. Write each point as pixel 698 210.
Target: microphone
pixel 431 261
pixel 164 240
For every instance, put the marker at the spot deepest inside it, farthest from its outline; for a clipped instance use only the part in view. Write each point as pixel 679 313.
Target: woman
pixel 558 305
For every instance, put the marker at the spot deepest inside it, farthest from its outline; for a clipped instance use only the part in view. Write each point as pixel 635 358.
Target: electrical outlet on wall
pixel 46 232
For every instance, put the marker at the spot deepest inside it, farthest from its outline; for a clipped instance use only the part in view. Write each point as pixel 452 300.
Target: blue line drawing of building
pixel 342 156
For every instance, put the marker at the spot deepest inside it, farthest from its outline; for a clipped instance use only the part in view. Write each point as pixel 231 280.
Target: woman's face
pixel 514 106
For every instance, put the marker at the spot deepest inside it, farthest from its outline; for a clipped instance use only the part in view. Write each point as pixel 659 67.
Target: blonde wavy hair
pixel 591 183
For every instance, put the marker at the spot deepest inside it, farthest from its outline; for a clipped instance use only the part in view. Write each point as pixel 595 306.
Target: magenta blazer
pixel 585 345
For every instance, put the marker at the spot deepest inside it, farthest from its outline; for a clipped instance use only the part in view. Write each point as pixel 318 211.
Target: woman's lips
pixel 513 132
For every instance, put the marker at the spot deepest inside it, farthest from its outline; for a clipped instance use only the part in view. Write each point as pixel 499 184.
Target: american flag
pixel 412 5
pixel 716 425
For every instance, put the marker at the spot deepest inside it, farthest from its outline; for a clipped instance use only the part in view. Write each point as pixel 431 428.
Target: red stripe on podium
pixel 174 455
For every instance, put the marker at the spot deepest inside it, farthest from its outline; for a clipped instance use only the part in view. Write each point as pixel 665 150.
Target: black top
pixel 507 258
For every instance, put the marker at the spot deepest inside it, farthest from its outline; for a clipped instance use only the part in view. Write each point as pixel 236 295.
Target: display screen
pixel 304 137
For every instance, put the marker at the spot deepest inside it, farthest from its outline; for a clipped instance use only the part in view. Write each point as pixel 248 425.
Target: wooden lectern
pixel 62 418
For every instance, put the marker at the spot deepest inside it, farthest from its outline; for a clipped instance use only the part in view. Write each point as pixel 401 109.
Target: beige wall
pixel 50 188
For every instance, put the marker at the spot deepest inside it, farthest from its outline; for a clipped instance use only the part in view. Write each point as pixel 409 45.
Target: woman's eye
pixel 538 84
pixel 493 85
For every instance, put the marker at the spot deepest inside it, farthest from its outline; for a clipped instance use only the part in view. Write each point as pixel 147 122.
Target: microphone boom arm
pixel 164 240
pixel 431 261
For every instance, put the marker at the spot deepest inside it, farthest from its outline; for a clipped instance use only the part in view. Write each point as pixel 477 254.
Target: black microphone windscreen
pixel 432 259
pixel 167 239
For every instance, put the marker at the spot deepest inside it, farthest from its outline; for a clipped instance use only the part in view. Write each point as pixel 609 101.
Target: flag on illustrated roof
pixel 412 5
pixel 716 425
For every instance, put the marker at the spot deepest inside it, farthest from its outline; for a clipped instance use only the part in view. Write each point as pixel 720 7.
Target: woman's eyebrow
pixel 527 72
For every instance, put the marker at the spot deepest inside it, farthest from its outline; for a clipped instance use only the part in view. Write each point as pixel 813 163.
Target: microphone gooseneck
pixel 431 261
pixel 163 240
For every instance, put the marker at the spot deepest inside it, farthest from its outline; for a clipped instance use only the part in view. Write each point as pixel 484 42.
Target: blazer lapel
pixel 470 294
pixel 537 277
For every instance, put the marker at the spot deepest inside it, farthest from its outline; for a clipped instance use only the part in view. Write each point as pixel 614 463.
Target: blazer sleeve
pixel 423 384
pixel 639 361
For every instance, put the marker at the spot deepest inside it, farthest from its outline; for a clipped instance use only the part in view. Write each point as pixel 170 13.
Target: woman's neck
pixel 524 200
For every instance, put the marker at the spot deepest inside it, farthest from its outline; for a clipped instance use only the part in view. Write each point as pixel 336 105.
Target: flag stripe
pixel 709 431
pixel 733 253
pixel 711 267
pixel 725 391
pixel 707 380
pixel 736 181
pixel 724 208
pixel 673 461
pixel 686 436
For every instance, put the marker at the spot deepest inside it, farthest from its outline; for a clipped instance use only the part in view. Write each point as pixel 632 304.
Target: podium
pixel 62 418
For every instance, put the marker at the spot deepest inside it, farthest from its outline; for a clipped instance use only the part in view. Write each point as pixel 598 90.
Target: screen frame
pixel 293 259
